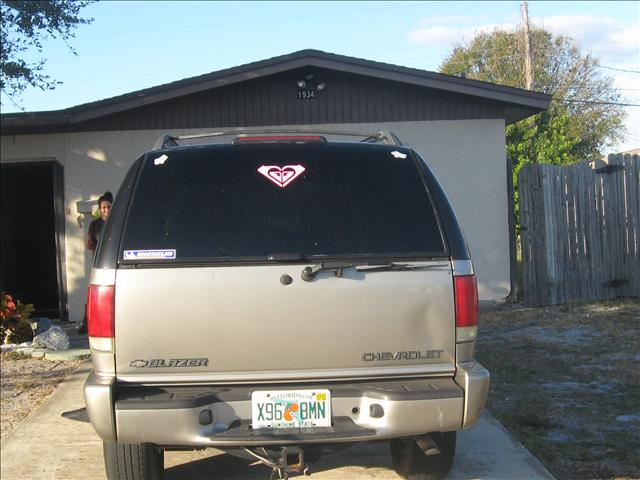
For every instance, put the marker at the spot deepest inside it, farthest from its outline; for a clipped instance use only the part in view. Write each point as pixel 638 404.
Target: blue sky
pixel 134 45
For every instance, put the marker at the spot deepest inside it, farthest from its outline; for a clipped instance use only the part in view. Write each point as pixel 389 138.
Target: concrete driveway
pixel 48 446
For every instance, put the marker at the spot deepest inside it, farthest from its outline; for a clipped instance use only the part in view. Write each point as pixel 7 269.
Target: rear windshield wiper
pixel 309 273
pixel 394 266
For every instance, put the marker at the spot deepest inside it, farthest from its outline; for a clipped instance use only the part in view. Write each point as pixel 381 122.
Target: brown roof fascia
pixel 29 119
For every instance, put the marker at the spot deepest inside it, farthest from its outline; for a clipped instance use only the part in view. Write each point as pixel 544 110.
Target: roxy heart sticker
pixel 281 176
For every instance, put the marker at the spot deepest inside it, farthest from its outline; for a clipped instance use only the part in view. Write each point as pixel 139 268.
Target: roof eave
pixel 446 83
pixel 517 98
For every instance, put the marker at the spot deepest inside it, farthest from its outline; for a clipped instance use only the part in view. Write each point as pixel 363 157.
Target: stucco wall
pixel 468 156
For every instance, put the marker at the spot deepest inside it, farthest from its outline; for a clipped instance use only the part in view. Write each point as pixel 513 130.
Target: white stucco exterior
pixel 468 156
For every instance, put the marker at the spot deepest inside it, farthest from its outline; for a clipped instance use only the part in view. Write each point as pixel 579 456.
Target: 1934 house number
pixel 306 94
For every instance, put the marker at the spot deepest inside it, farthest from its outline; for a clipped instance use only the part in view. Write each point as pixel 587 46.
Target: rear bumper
pixel 221 416
pixel 98 398
pixel 474 380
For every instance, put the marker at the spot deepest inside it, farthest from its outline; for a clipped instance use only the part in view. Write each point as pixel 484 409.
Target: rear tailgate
pixel 250 327
pixel 210 232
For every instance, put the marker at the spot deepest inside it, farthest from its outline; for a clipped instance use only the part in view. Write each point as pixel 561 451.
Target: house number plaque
pixel 306 94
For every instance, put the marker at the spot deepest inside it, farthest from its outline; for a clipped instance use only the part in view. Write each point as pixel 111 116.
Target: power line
pixel 13 102
pixel 603 41
pixel 61 91
pixel 450 45
pixel 520 55
pixel 619 69
pixel 593 102
pixel 199 72
pixel 118 77
pixel 276 19
pixel 262 21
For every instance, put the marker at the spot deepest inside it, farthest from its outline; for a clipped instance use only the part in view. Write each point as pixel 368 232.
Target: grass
pixel 566 382
pixel 14 355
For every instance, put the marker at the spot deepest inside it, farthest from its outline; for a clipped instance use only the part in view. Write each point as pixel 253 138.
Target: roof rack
pixel 389 138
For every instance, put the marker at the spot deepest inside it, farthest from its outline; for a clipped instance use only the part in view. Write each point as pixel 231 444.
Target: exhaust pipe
pixel 428 445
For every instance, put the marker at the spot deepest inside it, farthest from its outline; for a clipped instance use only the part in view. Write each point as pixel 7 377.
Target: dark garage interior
pixel 30 267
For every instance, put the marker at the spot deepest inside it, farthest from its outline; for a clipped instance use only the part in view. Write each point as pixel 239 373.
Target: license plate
pixel 291 408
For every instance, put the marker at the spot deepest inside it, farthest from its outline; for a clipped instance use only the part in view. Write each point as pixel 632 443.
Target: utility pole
pixel 528 60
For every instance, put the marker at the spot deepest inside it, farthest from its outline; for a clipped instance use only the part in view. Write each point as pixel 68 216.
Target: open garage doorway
pixel 32 268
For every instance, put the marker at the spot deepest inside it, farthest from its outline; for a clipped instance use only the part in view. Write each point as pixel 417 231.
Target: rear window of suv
pixel 235 202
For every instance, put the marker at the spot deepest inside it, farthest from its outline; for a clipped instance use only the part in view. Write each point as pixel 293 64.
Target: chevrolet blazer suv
pixel 279 297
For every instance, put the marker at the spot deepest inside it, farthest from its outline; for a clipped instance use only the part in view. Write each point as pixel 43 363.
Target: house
pixel 54 164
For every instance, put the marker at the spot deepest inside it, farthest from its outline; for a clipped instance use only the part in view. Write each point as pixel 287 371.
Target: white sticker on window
pixel 397 154
pixel 149 254
pixel 281 176
pixel 160 160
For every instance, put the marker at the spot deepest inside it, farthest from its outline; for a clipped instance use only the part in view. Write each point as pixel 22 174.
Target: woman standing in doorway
pixel 95 229
pixel 93 237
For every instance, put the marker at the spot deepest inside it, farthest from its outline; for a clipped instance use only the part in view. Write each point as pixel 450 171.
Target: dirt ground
pixel 565 380
pixel 25 383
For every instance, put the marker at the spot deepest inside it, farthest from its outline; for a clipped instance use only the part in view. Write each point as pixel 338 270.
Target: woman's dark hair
pixel 106 197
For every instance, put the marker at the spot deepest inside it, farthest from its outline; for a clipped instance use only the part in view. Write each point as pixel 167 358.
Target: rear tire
pixel 411 462
pixel 133 462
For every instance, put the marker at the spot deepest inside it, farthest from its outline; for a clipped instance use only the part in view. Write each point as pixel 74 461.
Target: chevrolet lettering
pixel 409 355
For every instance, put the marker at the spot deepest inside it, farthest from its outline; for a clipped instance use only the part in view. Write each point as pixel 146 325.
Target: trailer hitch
pixel 279 461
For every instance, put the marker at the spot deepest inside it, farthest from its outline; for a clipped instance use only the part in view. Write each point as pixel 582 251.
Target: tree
pixel 582 118
pixel 575 81
pixel 25 24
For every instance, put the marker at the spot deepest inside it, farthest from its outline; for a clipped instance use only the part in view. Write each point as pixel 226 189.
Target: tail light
pixel 101 310
pixel 466 292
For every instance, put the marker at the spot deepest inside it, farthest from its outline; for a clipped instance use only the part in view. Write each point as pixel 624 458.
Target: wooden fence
pixel 580 231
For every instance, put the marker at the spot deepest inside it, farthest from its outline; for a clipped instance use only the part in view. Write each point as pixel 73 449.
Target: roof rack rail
pixel 389 138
